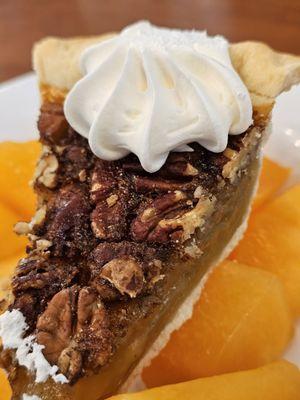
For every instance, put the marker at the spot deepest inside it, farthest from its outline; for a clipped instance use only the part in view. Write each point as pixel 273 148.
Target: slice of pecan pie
pixel 117 254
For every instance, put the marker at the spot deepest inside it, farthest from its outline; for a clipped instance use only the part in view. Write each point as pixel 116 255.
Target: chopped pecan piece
pixel 238 159
pixel 110 193
pixel 126 274
pixel 102 184
pixel 36 223
pixel 74 330
pixel 82 175
pixel 153 273
pixel 22 228
pixel 43 245
pixel 125 265
pixel 45 173
pixel 75 160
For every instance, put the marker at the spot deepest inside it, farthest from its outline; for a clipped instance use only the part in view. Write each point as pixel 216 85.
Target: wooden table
pixel 22 22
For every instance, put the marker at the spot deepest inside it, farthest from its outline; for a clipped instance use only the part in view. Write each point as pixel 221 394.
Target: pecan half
pixel 35 282
pixel 110 193
pixel 176 167
pixel 108 220
pixel 39 273
pixel 171 217
pixel 146 225
pixel 68 227
pixel 145 184
pixel 126 274
pixel 74 330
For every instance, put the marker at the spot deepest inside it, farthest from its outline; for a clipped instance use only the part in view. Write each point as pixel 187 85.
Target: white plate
pixel 19 105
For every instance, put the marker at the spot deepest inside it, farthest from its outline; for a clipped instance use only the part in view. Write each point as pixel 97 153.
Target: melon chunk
pixel 272 178
pixel 5 390
pixel 8 265
pixel 272 242
pixel 17 163
pixel 277 381
pixel 10 243
pixel 242 320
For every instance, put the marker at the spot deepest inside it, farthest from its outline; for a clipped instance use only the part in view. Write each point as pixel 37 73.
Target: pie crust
pixel 265 72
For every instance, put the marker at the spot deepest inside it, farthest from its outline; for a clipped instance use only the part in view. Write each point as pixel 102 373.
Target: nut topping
pixel 112 200
pixel 124 268
pixel 170 217
pixel 74 330
pixel 69 224
pixel 52 124
pixel 103 183
pixel 82 175
pixel 25 228
pixel 147 224
pixel 109 220
pixel 45 172
pixel 189 221
pixel 126 274
pixel 105 236
pixel 145 184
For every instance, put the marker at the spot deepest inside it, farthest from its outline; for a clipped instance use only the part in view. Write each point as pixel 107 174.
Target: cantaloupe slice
pixel 8 265
pixel 5 390
pixel 272 242
pixel 277 381
pixel 10 243
pixel 17 163
pixel 242 320
pixel 272 178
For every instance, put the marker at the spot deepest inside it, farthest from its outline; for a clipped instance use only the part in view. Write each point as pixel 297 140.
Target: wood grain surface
pixel 22 22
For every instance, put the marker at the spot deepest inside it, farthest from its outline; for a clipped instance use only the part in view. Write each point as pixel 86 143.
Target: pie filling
pixel 114 251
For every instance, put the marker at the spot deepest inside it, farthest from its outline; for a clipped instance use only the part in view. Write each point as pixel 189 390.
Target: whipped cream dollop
pixel 28 353
pixel 151 90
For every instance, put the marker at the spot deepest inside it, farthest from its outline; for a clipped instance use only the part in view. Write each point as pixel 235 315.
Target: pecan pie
pixel 117 254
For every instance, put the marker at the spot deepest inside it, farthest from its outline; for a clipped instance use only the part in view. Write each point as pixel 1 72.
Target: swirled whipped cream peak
pixel 151 90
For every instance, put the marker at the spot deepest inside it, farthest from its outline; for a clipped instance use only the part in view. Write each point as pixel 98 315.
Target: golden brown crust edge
pixel 265 72
pixel 56 60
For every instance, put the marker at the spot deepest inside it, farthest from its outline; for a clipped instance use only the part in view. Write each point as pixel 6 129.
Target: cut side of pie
pixel 117 254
